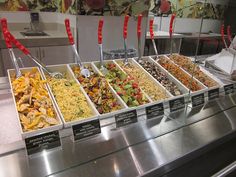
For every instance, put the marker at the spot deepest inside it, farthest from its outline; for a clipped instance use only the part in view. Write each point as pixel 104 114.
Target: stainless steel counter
pixel 135 150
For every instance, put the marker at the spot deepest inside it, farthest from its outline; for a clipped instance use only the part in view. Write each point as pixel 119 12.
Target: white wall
pixel 188 25
pixel 112 35
pixel 87 30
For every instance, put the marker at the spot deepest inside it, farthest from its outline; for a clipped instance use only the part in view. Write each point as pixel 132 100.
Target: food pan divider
pixel 135 63
pixel 153 102
pixel 182 88
pixel 41 131
pixel 203 89
pixel 220 85
pixel 107 118
pixel 64 69
pixel 141 112
pixel 211 76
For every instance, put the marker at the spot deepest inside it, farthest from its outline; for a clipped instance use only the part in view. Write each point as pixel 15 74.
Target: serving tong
pixel 84 71
pixel 9 46
pixel 139 36
pixel 9 38
pixel 171 32
pixel 100 27
pixel 229 34
pixel 152 36
pixel 125 32
pixel 223 35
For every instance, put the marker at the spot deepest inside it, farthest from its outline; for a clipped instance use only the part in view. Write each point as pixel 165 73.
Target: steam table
pixel 151 147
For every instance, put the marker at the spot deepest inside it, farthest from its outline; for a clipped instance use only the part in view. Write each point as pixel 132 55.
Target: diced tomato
pixel 135 85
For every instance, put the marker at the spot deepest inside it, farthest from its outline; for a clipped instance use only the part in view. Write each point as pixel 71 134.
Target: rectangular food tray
pixel 65 70
pixel 42 130
pixel 182 87
pixel 134 63
pixel 140 109
pixel 203 89
pixel 204 71
pixel 112 114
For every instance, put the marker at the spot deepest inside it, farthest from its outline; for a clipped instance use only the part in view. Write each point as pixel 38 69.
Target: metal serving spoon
pixel 84 71
pixel 125 32
pixel 102 68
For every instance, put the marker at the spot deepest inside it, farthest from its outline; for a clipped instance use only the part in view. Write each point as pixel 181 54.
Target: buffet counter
pixel 145 148
pixel 146 118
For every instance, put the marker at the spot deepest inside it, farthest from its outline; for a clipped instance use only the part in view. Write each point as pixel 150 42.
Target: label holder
pixel 86 129
pixel 126 118
pixel 45 141
pixel 154 111
pixel 177 104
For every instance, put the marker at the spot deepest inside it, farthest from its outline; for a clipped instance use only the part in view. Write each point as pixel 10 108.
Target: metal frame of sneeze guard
pixel 32 133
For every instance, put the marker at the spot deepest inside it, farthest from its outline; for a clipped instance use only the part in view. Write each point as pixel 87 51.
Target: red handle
pixel 125 29
pixel 18 44
pixel 139 25
pixel 222 31
pixel 69 33
pixel 171 24
pixel 100 25
pixel 151 28
pixel 5 34
pixel 4 24
pixel 7 39
pixel 229 34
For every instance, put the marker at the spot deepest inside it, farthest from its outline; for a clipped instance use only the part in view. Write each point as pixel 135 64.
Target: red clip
pixel 69 33
pixel 125 29
pixel 151 28
pixel 229 34
pixel 171 24
pixel 100 25
pixel 139 25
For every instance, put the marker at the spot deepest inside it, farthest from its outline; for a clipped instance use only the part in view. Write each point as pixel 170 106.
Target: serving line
pixel 130 151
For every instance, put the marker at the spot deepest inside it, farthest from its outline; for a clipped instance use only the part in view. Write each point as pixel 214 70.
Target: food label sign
pixel 41 142
pixel 176 104
pixel 198 100
pixel 213 94
pixel 126 118
pixel 86 129
pixel 229 89
pixel 154 110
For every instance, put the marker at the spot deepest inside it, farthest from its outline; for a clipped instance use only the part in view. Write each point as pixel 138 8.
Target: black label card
pixel 154 110
pixel 126 118
pixel 229 89
pixel 198 100
pixel 44 141
pixel 213 94
pixel 86 129
pixel 177 104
